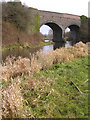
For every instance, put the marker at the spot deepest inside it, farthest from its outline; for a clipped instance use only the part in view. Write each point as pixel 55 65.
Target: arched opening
pixel 72 33
pixel 67 34
pixel 47 33
pixel 56 30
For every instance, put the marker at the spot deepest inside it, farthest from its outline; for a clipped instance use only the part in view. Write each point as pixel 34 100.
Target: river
pixel 25 52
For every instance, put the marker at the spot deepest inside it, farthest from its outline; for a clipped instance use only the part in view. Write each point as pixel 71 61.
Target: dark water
pixel 26 52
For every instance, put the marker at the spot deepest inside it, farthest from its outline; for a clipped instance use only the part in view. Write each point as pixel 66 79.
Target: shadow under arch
pixel 57 30
pixel 74 33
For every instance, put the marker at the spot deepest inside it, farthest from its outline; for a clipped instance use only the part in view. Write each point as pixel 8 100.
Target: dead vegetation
pixel 13 67
pixel 13 36
pixel 12 70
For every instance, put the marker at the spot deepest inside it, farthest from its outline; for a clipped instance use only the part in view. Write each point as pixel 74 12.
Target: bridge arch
pixel 57 30
pixel 58 21
pixel 74 32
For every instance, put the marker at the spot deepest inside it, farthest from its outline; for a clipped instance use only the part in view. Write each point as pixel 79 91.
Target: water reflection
pixel 27 51
pixel 68 43
pixel 24 52
pixel 47 48
pixel 58 45
pixel 46 40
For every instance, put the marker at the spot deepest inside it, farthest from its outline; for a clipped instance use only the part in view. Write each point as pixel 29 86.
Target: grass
pixel 60 99
pixel 12 47
pixel 39 45
pixel 50 94
pixel 28 46
pixel 45 85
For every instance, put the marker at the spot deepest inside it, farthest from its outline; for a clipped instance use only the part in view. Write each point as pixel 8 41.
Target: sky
pixel 89 9
pixel 76 7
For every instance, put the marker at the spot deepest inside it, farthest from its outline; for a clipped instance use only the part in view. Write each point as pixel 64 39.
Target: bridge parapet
pixel 63 19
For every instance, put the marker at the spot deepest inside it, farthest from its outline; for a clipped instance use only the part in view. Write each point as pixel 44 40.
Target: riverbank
pixel 23 51
pixel 36 88
pixel 41 44
pixel 13 37
pixel 51 93
pixel 54 93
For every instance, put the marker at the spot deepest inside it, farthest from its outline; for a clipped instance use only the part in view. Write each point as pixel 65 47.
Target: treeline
pixel 16 13
pixel 17 20
pixel 84 29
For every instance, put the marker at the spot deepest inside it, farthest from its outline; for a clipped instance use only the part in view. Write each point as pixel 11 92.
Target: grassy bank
pixel 41 44
pixel 56 96
pixel 14 38
pixel 52 84
pixel 53 93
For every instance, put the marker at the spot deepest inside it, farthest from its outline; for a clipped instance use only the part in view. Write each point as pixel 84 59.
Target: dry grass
pixel 12 101
pixel 12 36
pixel 0 103
pixel 13 68
pixel 41 60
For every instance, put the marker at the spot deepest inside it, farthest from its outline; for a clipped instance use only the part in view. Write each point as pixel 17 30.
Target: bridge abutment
pixel 57 36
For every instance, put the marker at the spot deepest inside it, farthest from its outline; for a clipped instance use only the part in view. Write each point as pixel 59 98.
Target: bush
pixel 15 12
pixel 36 22
pixel 83 19
pixel 84 28
pixel 12 36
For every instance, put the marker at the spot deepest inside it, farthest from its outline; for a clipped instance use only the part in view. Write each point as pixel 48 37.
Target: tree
pixel 16 13
pixel 83 19
pixel 37 22
pixel 84 28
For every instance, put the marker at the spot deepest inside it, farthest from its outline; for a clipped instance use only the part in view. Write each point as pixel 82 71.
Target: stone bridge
pixel 58 22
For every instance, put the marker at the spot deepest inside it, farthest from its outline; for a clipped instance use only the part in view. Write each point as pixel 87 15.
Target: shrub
pixel 12 36
pixel 84 29
pixel 36 26
pixel 15 12
pixel 83 19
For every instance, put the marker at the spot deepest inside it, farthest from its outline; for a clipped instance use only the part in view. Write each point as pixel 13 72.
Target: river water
pixel 25 52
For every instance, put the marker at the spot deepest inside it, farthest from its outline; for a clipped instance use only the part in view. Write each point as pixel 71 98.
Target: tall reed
pixel 13 67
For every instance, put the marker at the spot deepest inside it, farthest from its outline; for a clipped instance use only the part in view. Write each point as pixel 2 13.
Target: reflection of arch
pixel 57 30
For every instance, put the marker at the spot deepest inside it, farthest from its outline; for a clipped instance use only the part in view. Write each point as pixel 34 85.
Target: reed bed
pixel 13 69
pixel 12 101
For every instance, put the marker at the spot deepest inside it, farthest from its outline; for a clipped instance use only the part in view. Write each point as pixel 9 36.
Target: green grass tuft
pixel 60 99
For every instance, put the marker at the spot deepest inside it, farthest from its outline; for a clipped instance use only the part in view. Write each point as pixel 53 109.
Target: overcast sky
pixel 77 7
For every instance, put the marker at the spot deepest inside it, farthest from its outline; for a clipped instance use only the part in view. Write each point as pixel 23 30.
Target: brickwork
pixel 62 20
